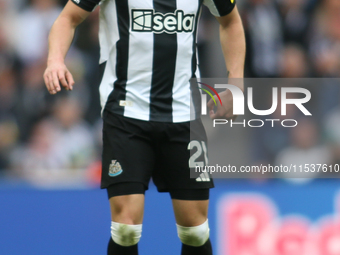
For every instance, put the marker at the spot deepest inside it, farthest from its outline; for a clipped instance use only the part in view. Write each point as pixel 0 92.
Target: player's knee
pixel 194 236
pixel 124 234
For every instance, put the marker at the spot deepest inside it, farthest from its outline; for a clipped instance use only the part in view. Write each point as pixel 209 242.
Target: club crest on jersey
pixel 146 20
pixel 115 168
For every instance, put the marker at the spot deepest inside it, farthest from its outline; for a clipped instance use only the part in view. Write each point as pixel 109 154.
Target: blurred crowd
pixel 50 140
pixel 292 38
pixel 47 139
pixel 296 39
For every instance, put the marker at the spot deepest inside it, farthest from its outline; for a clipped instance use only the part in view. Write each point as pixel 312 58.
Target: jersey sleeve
pixel 87 5
pixel 220 8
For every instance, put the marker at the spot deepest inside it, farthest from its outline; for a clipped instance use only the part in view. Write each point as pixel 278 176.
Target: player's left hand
pixel 225 110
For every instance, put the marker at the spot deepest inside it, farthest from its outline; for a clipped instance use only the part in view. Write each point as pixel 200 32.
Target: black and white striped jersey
pixel 148 55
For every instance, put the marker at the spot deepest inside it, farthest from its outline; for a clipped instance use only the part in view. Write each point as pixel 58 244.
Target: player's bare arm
pixel 234 47
pixel 60 39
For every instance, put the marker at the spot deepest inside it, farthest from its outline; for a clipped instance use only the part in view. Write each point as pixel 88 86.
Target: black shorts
pixel 134 151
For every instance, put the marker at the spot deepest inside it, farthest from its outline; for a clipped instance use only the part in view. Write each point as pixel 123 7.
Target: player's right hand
pixel 55 74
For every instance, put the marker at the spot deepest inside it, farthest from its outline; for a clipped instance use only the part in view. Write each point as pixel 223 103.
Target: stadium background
pixel 50 145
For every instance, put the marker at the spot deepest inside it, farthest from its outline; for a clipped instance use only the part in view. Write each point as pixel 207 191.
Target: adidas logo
pixel 115 168
pixel 204 177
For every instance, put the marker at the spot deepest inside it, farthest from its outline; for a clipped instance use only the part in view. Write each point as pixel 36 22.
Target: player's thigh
pixel 189 213
pixel 128 156
pixel 127 209
pixel 184 149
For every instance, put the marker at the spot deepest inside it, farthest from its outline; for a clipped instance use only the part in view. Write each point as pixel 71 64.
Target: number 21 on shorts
pixel 201 148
